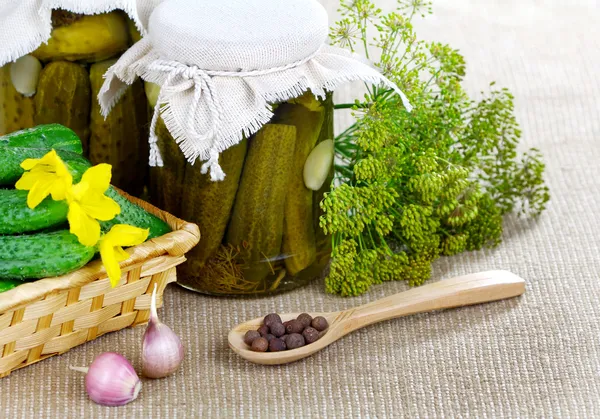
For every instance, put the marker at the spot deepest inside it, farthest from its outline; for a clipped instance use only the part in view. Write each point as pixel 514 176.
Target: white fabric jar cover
pixel 26 24
pixel 220 65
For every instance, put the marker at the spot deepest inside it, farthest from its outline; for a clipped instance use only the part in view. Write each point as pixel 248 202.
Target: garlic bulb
pixel 111 380
pixel 162 351
pixel 318 164
pixel 24 74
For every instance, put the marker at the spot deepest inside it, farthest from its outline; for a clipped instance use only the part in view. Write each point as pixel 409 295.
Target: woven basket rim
pixel 183 238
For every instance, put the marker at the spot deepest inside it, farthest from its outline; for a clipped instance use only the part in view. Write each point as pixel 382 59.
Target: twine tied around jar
pixel 193 77
pixel 222 65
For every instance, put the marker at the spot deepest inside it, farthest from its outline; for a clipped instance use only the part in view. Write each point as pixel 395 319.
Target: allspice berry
pixel 311 335
pixel 260 345
pixel 277 329
pixel 264 330
pixel 250 336
pixel 277 345
pixel 295 340
pixel 275 336
pixel 320 323
pixel 305 319
pixel 271 318
pixel 294 326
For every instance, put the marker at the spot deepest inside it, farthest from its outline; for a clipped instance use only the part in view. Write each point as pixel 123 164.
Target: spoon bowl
pixel 236 341
pixel 456 292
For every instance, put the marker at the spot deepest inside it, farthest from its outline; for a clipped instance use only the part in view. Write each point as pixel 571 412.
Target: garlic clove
pixel 162 351
pixel 24 74
pixel 111 380
pixel 152 92
pixel 318 164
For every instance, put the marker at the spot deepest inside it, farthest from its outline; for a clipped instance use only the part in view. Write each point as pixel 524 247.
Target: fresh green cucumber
pixel 16 217
pixel 54 136
pixel 42 255
pixel 134 215
pixel 9 284
pixel 12 157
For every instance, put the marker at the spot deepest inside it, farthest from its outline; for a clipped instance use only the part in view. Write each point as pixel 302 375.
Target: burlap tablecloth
pixel 536 356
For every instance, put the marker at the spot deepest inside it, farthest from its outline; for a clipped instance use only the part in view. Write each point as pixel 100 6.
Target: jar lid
pixel 220 66
pixel 26 24
pixel 238 35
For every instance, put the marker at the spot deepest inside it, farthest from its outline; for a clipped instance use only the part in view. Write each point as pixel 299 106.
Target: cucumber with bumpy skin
pixel 134 215
pixel 11 171
pixel 42 255
pixel 64 96
pixel 298 232
pixel 256 225
pixel 209 204
pixel 48 254
pixel 54 136
pixel 88 38
pixel 16 217
pixel 16 110
pixel 12 157
pixel 121 138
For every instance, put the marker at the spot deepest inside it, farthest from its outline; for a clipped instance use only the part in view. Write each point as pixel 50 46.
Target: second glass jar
pixel 260 226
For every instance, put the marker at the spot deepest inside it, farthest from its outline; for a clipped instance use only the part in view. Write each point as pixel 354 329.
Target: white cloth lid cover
pixel 220 65
pixel 206 32
pixel 26 24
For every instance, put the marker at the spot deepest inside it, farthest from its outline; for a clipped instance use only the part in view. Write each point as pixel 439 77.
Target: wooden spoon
pixel 456 292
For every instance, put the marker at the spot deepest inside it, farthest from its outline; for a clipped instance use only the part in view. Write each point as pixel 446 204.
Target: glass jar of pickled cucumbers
pixel 59 83
pixel 260 226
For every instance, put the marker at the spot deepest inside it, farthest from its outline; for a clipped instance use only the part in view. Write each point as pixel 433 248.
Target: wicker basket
pixel 50 316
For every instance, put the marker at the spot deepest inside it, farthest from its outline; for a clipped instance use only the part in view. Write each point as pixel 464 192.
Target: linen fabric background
pixel 534 356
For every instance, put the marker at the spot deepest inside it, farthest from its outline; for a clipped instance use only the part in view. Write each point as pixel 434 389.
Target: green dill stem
pixel 438 158
pixel 424 91
pixel 476 137
pixel 383 242
pixel 352 106
pixel 345 150
pixel 361 243
pixel 373 243
pixel 346 146
pixel 347 153
pixel 351 129
pixel 364 32
pixel 345 171
pixel 391 42
pixel 397 48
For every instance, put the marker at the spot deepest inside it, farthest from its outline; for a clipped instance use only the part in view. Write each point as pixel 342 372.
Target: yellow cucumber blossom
pixel 43 177
pixel 88 204
pixel 111 248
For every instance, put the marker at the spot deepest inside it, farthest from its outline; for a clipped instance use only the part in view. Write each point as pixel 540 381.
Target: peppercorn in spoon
pixel 456 292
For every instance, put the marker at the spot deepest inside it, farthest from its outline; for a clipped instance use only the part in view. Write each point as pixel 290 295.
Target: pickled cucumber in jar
pixel 260 232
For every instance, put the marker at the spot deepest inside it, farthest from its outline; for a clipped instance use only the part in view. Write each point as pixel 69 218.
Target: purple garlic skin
pixel 111 380
pixel 162 351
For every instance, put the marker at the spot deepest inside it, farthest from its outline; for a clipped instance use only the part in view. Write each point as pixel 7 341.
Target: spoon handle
pixel 465 290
